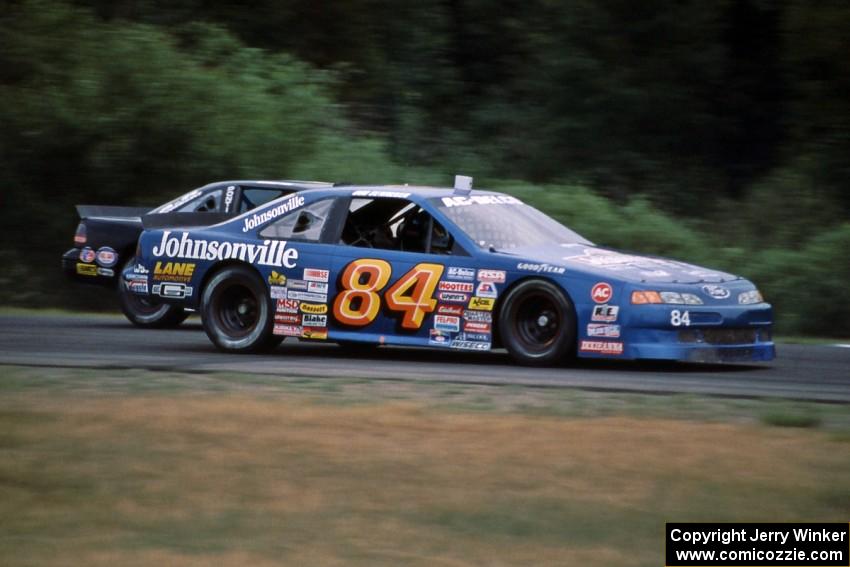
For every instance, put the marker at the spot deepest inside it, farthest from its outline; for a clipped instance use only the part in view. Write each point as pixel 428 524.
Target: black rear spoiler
pixel 87 211
pixel 170 220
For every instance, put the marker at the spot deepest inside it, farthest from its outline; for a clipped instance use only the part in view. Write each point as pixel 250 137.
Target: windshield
pixel 504 222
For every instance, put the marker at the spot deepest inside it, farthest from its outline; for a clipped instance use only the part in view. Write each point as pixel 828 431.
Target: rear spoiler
pixel 88 211
pixel 170 220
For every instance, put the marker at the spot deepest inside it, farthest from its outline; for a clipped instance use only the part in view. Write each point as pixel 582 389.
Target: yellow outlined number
pixel 413 294
pixel 359 303
pixel 361 280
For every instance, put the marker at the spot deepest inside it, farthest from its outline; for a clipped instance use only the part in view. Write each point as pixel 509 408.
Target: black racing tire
pixel 237 313
pixel 537 323
pixel 146 313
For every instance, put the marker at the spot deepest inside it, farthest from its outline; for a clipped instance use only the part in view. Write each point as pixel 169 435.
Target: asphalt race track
pixel 803 372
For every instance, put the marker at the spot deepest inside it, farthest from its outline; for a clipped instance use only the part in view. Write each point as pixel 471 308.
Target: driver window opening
pixel 303 224
pixel 395 224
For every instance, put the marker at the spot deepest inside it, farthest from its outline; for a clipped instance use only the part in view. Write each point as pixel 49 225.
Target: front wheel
pixel 236 312
pixel 146 313
pixel 537 323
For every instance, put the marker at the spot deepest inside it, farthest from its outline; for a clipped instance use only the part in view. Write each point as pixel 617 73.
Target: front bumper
pixel 728 333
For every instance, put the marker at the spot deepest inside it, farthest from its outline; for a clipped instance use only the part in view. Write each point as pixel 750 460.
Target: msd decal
pixel 287 306
pixel 601 292
pixel 602 347
pixel 459 287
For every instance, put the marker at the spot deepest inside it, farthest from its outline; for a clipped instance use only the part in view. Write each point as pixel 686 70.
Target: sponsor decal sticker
pixel 108 272
pixel 459 287
pixel 314 308
pixel 287 330
pixel 317 287
pixel 540 268
pixel 307 296
pixel 460 273
pixel 138 287
pixel 107 257
pixel 277 292
pixel 314 333
pixel 447 323
pixel 482 303
pixel 287 318
pixel 477 327
pixel 716 291
pixel 140 269
pixel 455 310
pixel 495 276
pixel 454 297
pixel 87 269
pixel 315 320
pixel 269 253
pixel 480 200
pixel 276 278
pixel 603 330
pixel 481 337
pixel 259 219
pixel 171 289
pixel 602 347
pixel 389 194
pixel 470 345
pixel 315 275
pixel 297 284
pixel 87 255
pixel 439 338
pixel 287 306
pixel 601 292
pixel 605 313
pixel 486 289
pixel 228 197
pixel 173 271
pixel 483 316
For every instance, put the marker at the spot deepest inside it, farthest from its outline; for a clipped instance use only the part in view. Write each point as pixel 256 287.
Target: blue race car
pixel 443 268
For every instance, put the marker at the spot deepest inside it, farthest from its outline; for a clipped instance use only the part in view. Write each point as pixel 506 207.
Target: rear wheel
pixel 537 323
pixel 236 312
pixel 147 313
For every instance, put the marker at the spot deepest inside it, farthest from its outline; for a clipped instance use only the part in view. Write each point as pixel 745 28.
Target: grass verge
pixel 134 468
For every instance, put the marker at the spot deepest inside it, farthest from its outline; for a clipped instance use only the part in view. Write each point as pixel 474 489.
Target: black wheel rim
pixel 537 322
pixel 237 310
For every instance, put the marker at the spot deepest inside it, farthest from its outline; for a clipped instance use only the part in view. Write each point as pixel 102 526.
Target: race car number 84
pixel 412 295
pixel 680 318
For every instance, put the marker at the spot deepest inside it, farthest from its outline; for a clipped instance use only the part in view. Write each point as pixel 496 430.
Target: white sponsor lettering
pixel 480 200
pixel 269 253
pixel 495 276
pixel 603 330
pixel 263 217
pixel 541 268
pixel 390 194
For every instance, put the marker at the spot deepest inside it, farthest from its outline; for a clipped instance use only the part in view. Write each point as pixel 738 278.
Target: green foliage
pixel 716 133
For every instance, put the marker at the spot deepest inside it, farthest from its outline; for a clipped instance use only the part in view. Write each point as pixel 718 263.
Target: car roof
pixel 425 191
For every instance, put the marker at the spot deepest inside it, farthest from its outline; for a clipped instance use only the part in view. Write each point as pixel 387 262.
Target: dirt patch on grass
pixel 236 480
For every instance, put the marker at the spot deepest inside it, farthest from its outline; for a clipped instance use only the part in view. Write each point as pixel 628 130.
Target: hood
pixel 611 263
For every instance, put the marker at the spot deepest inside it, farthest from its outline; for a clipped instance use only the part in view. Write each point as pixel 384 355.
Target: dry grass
pixel 233 479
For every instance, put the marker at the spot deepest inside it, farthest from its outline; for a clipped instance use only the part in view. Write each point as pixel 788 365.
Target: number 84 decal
pixel 680 318
pixel 358 302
